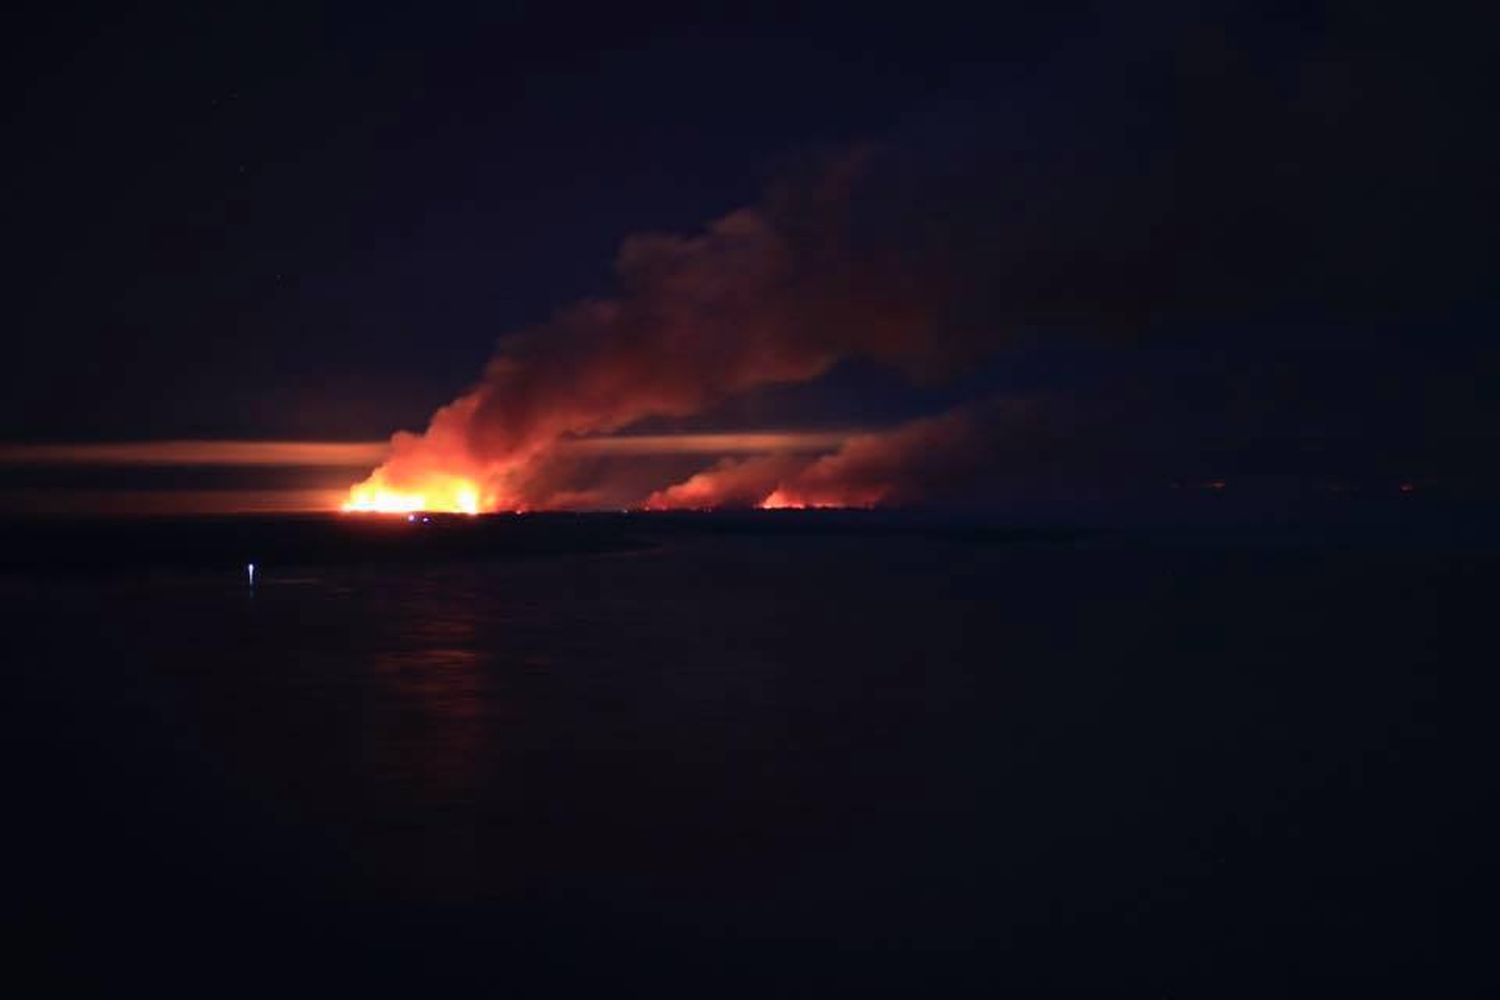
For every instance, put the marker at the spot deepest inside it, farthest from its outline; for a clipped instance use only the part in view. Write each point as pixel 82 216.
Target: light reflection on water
pixel 428 731
pixel 478 727
pixel 451 719
pixel 435 682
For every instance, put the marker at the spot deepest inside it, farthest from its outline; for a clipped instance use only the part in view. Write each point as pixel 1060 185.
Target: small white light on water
pixel 250 571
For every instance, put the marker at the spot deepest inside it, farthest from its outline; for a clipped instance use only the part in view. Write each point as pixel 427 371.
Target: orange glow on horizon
pixel 331 454
pixel 369 453
pixel 438 473
pixel 779 500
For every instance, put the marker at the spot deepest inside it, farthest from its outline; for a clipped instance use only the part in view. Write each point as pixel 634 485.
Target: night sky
pixel 1191 242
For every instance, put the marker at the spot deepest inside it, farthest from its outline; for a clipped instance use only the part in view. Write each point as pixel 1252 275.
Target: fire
pixel 780 500
pixel 439 495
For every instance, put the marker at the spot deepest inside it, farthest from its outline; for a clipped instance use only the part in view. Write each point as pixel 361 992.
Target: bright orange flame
pixel 440 495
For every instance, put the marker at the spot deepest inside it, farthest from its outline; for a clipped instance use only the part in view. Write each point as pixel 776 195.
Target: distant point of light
pixel 250 572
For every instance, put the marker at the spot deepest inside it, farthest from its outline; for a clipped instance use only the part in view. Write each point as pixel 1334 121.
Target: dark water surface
pixel 782 762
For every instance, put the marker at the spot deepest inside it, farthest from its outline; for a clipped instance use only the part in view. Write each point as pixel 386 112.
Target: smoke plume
pixel 1170 189
pixel 773 294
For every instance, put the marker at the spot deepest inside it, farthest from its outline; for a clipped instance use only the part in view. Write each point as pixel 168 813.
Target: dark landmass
pixel 60 547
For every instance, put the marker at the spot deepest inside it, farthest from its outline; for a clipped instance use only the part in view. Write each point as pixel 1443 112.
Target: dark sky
pixel 314 220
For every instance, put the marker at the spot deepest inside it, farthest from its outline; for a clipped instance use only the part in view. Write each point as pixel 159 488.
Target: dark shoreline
pixel 98 546
pixel 53 547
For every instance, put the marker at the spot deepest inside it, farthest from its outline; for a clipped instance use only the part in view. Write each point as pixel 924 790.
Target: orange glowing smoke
pixel 405 484
pixel 775 294
pixel 900 465
pixel 431 473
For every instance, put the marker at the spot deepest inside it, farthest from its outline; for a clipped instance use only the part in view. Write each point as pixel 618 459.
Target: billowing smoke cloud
pixel 1170 188
pixel 768 295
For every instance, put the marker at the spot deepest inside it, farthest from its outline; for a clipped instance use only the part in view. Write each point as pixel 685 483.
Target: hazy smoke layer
pixel 907 464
